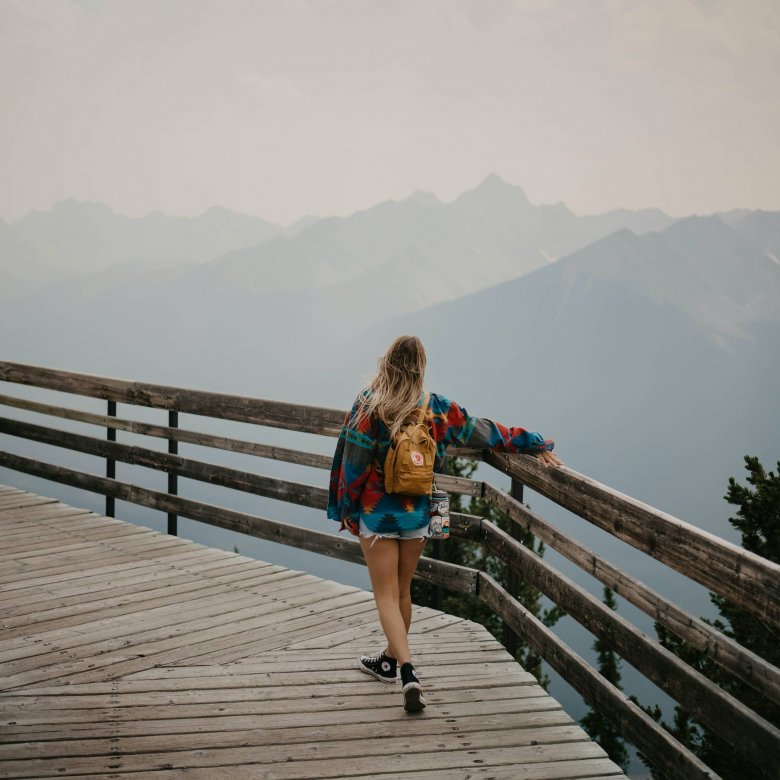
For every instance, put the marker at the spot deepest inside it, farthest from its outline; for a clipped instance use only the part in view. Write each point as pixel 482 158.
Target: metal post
pixel 513 585
pixel 173 486
pixel 110 464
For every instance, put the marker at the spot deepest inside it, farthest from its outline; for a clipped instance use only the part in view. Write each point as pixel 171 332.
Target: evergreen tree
pixel 472 554
pixel 598 727
pixel 758 521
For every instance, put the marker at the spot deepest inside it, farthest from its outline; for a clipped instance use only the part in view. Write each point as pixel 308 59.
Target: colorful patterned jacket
pixel 356 489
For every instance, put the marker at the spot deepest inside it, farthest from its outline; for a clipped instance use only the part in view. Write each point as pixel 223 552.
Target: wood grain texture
pixel 725 651
pixel 119 657
pixel 750 581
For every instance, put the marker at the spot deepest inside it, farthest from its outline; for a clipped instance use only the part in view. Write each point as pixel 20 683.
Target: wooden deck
pixel 126 652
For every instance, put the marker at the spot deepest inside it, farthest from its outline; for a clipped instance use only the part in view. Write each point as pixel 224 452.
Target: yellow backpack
pixel 409 464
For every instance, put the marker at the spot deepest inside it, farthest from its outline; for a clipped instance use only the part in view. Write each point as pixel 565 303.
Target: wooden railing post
pixel 173 484
pixel 110 464
pixel 510 637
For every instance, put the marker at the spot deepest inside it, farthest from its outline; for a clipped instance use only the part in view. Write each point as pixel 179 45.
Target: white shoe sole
pixel 374 674
pixel 414 701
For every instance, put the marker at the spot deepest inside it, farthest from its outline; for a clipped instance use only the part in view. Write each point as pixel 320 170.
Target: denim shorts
pixel 404 533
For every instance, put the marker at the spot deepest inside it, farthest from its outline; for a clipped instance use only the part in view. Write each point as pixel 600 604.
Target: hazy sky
pixel 287 108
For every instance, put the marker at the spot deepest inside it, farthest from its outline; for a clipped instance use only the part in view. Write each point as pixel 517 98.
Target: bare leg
pixel 382 557
pixel 409 555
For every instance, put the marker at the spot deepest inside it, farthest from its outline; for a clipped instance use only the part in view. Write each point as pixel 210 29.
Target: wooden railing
pixel 747 580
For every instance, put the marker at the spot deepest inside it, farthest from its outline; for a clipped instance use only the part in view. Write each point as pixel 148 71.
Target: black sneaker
pixel 382 666
pixel 414 701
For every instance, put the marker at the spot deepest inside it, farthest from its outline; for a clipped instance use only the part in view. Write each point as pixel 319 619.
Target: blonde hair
pixel 396 387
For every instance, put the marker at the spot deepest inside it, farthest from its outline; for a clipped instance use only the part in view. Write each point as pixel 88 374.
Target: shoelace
pixel 374 659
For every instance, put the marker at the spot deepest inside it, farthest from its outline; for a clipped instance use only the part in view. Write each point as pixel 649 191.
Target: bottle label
pixel 439 525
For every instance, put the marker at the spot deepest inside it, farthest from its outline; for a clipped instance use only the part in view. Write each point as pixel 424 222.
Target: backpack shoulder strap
pixel 423 409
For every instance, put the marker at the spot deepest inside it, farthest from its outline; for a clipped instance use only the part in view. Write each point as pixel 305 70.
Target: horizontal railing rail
pixel 748 580
pixel 739 574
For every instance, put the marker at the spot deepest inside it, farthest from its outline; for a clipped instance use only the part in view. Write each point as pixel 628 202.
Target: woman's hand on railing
pixel 549 458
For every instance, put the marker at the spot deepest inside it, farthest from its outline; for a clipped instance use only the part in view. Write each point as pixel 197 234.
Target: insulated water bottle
pixel 439 524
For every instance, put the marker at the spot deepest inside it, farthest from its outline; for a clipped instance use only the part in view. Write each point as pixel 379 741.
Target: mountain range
pixel 647 344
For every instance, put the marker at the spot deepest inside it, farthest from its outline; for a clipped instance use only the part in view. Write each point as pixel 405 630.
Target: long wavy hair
pixel 396 387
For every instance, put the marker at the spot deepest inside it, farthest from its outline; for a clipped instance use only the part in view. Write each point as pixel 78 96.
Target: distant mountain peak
pixel 72 206
pixel 709 223
pixel 223 211
pixel 494 183
pixel 493 190
pixel 424 198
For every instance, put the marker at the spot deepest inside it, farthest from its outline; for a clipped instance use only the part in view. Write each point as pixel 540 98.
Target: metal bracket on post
pixel 510 638
pixel 173 485
pixel 111 464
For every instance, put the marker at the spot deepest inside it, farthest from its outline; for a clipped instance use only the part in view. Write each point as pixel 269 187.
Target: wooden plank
pixel 122 563
pixel 147 593
pixel 141 691
pixel 219 629
pixel 235 647
pixel 74 564
pixel 75 541
pixel 50 512
pixel 137 603
pixel 23 499
pixel 139 539
pixel 54 517
pixel 260 411
pixel 175 717
pixel 102 628
pixel 590 769
pixel 16 520
pixel 27 525
pixel 112 706
pixel 339 637
pixel 115 721
pixel 553 770
pixel 390 729
pixel 128 578
pixel 280 662
pixel 322 760
pixel 128 574
pixel 495 670
pixel 77 528
pixel 139 545
pixel 107 627
pixel 13 503
pixel 52 593
pixel 175 434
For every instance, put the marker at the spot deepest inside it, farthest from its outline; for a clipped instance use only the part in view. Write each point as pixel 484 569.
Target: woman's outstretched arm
pixel 454 425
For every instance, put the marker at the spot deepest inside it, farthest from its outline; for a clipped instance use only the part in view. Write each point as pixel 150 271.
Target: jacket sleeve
pixel 453 425
pixel 351 465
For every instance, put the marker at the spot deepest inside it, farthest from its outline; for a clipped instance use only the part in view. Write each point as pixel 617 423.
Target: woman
pixel 392 528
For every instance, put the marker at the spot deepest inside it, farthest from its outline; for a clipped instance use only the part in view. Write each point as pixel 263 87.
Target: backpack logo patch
pixel 417 458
